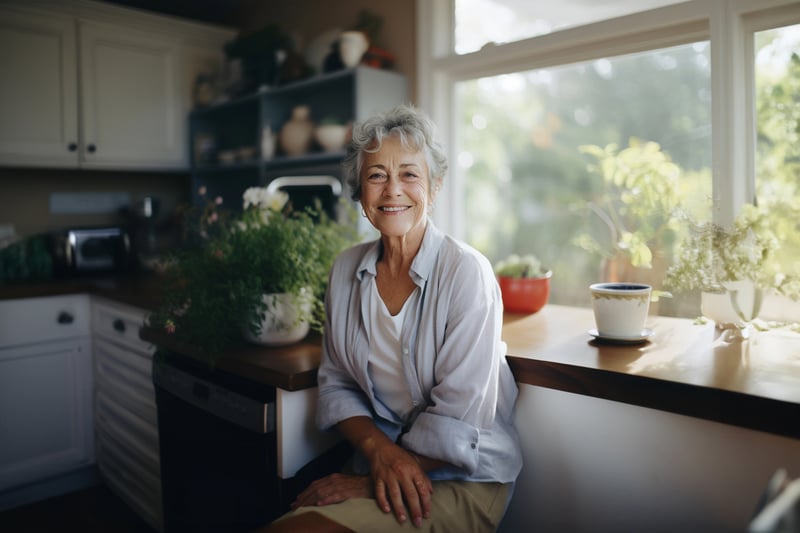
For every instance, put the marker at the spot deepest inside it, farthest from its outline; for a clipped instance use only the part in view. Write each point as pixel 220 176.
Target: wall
pixel 25 195
pixel 595 465
pixel 306 19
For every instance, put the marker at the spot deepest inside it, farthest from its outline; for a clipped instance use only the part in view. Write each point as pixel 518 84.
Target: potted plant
pixel 267 258
pixel 636 203
pixel 524 283
pixel 732 267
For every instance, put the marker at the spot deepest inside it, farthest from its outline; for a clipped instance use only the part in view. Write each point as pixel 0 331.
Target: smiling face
pixel 395 190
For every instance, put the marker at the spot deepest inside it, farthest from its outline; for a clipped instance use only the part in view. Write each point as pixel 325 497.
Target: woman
pixel 413 372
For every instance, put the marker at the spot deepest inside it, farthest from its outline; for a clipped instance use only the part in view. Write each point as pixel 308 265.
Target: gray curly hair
pixel 415 130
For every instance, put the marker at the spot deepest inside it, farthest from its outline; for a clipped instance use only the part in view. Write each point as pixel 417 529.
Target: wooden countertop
pixel 140 291
pixel 683 368
pixel 292 367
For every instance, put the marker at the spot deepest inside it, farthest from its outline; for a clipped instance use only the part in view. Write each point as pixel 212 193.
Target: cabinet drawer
pixel 35 320
pixel 120 324
pixel 129 430
pixel 141 489
pixel 125 376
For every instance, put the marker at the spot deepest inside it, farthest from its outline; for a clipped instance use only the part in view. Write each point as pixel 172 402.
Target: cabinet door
pixel 46 418
pixel 38 92
pixel 130 98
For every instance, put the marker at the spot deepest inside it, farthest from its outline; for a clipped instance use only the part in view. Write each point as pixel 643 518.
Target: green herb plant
pixel 516 266
pixel 214 290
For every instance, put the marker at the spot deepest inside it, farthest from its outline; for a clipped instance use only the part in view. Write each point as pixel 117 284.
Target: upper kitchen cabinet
pixel 93 86
pixel 39 91
pixel 130 98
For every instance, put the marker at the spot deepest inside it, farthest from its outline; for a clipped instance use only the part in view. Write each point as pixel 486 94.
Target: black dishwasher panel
pixel 218 449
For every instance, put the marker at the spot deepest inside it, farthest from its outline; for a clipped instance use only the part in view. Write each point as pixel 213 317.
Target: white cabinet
pixel 130 98
pixel 39 89
pixel 46 383
pixel 86 85
pixel 125 409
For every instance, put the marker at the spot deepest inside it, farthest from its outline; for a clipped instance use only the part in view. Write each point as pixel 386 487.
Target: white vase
pixel 282 322
pixel 734 308
pixel 352 45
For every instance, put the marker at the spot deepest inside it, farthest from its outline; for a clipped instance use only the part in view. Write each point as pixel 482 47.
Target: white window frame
pixel 727 24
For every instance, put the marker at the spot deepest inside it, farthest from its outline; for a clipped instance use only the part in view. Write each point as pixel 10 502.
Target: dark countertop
pixel 683 368
pixel 140 290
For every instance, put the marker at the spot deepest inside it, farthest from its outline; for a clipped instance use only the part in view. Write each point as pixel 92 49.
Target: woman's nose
pixel 392 187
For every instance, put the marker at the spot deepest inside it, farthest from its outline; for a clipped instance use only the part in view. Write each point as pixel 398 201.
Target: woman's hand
pixel 399 478
pixel 334 488
pixel 400 482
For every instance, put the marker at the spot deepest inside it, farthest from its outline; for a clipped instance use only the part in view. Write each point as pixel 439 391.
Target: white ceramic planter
pixel 281 325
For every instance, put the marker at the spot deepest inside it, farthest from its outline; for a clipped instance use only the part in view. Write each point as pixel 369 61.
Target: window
pixel 777 161
pixel 535 150
pixel 536 120
pixel 513 20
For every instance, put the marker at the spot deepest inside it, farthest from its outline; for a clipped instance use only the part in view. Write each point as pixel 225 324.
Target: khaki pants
pixel 456 506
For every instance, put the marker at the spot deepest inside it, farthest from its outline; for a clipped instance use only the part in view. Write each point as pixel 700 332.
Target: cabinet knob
pixel 91 148
pixel 119 325
pixel 65 318
pixel 72 147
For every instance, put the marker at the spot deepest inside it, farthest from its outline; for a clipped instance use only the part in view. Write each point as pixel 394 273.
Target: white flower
pixel 260 198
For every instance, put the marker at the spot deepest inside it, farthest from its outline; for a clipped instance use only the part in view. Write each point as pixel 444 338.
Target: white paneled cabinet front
pixel 46 384
pixel 91 86
pixel 125 409
pixel 39 90
pixel 130 98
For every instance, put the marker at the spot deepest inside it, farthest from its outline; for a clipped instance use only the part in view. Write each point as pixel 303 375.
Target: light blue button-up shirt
pixel 453 359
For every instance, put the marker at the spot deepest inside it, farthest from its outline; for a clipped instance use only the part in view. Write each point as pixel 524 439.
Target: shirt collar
pixel 423 262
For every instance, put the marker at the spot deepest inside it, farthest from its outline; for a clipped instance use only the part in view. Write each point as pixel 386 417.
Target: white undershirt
pixel 385 365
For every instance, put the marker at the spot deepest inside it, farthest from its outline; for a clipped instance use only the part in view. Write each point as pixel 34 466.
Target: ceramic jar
pixel 296 134
pixel 352 45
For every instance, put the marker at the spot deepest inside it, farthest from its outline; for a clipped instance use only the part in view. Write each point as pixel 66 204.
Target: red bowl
pixel 524 295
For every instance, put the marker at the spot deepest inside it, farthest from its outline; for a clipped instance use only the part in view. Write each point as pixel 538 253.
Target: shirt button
pixel 472 445
pixel 405 351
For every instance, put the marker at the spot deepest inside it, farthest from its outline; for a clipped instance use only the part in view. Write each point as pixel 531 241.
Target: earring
pixel 363 213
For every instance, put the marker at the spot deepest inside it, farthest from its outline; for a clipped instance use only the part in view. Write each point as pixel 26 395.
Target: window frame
pixel 729 26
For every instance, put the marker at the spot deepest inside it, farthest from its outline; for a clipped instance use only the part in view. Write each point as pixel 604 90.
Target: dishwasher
pixel 222 466
pixel 217 447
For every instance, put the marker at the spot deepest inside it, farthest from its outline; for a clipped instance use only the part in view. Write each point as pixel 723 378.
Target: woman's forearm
pixel 366 437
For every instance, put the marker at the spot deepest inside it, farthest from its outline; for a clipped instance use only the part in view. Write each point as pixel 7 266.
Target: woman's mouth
pixel 393 208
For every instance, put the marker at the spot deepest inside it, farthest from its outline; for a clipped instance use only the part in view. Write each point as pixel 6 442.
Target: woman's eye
pixel 376 177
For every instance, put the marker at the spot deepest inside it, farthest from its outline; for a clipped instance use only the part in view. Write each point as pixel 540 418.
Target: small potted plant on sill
pixel 638 192
pixel 246 270
pixel 733 268
pixel 524 283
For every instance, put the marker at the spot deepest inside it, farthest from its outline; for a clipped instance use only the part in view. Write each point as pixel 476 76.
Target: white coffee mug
pixel 620 308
